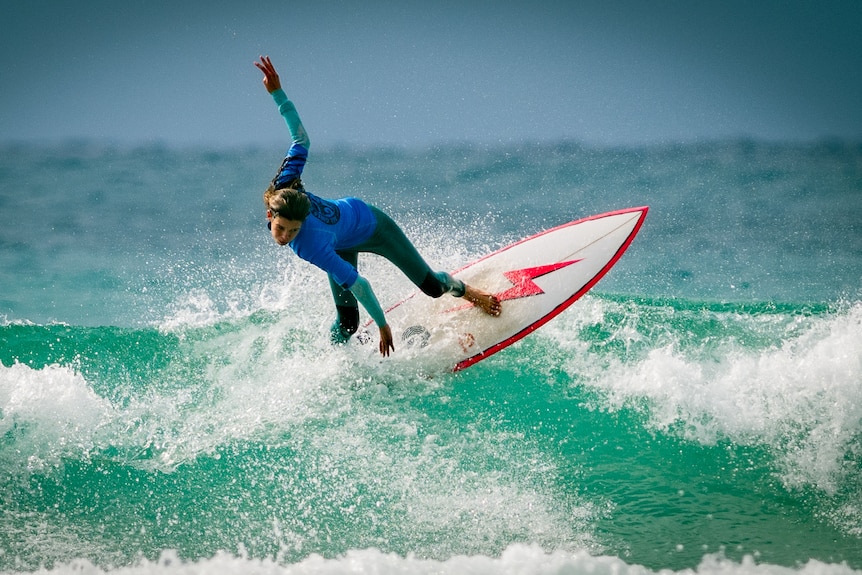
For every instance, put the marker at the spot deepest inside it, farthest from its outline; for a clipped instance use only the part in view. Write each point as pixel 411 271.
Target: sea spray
pixel 169 400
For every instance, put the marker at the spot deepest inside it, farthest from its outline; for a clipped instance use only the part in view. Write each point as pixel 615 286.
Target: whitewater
pixel 170 403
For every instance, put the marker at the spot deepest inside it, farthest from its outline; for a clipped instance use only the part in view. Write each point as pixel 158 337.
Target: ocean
pixel 170 403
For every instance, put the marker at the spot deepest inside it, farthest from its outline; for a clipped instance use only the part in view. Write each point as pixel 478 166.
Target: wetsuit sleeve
pixel 361 289
pixel 291 117
pixel 297 155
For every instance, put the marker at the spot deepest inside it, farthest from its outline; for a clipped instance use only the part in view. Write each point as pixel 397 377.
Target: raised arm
pixel 297 155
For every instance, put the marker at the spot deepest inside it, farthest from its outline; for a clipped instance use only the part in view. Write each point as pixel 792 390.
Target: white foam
pixel 801 395
pixel 50 413
pixel 280 383
pixel 517 559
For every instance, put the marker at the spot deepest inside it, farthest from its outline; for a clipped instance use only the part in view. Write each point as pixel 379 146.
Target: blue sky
pixel 417 73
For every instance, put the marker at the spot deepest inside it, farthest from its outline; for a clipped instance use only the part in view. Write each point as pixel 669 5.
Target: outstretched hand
pixel 270 77
pixel 386 341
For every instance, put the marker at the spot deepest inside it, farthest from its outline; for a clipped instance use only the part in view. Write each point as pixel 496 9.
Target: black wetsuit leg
pixel 390 242
pixel 346 305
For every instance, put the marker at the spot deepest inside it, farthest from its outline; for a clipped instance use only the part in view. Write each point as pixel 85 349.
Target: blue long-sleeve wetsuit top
pixel 332 225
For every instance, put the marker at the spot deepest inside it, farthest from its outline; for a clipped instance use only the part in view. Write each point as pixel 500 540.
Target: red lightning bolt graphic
pixel 522 282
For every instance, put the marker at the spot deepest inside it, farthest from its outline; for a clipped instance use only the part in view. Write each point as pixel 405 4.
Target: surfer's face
pixel 283 230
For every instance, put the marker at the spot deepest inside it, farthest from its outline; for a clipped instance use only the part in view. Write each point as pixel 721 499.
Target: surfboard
pixel 535 278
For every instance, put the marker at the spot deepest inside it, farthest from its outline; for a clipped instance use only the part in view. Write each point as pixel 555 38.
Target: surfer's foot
pixel 339 335
pixel 483 300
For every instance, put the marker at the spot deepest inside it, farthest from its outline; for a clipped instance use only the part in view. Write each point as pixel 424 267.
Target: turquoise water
pixel 169 401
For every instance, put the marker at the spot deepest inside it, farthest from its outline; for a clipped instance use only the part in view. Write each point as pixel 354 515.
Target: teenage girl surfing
pixel 332 233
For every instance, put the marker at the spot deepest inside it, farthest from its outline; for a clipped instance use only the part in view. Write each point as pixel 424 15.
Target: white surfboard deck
pixel 535 278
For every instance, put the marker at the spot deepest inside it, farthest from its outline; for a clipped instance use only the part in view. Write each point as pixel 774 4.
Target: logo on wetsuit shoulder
pixel 324 210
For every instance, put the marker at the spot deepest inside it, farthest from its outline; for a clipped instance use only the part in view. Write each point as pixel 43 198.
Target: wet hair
pixel 288 200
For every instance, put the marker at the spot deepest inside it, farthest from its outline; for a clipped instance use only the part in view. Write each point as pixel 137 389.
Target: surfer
pixel 331 233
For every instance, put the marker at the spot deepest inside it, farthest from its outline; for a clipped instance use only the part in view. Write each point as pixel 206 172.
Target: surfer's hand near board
pixel 387 342
pixel 485 301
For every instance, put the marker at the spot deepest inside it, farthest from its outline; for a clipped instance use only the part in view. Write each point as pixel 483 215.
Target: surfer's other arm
pixel 361 289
